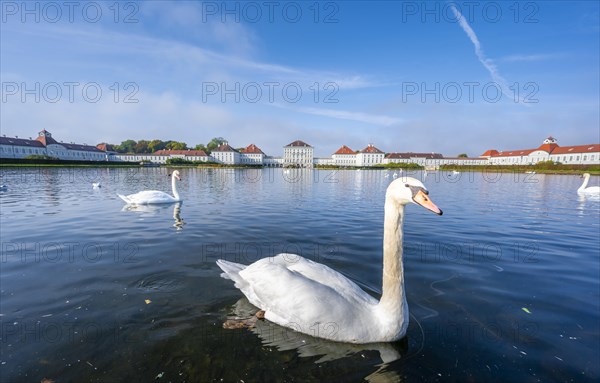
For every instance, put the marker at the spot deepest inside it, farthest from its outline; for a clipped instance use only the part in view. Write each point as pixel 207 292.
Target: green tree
pixel 463 155
pixel 155 145
pixel 200 147
pixel 142 146
pixel 175 145
pixel 127 146
pixel 214 143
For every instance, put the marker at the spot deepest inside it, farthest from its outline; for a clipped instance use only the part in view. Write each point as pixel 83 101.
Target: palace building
pixel 46 145
pixel 297 154
pixel 548 151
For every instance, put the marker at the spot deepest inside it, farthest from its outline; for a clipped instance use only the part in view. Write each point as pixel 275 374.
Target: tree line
pixel 151 146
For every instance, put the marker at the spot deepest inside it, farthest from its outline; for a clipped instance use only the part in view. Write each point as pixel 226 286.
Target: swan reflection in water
pixel 158 209
pixel 242 315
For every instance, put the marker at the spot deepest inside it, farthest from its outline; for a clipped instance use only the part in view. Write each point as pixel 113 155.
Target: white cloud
pixel 373 119
pixel 527 58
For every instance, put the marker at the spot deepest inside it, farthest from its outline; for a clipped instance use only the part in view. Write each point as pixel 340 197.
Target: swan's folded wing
pixel 285 286
pixel 149 196
pixel 326 275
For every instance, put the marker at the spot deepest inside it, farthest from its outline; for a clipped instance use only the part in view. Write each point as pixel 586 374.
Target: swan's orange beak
pixel 422 199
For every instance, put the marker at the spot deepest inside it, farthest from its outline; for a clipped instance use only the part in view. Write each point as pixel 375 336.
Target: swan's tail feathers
pixel 124 198
pixel 232 271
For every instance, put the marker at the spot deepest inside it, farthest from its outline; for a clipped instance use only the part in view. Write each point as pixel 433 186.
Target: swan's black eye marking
pixel 416 189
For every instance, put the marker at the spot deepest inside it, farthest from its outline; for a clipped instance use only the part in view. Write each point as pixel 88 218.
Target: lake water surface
pixel 503 287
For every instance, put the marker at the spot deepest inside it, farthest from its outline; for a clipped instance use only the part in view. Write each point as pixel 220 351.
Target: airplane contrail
pixel 487 63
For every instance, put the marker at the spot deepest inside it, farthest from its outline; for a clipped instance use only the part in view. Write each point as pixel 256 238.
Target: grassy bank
pixel 542 168
pixel 23 162
pixel 406 166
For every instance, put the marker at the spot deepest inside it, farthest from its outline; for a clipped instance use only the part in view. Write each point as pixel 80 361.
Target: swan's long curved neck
pixel 174 187
pixel 393 298
pixel 586 179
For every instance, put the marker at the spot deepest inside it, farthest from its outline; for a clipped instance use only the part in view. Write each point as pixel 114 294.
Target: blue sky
pixel 448 77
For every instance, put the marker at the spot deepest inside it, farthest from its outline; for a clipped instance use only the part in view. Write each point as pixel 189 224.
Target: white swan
pixel 314 299
pixel 585 190
pixel 149 197
pixel 395 175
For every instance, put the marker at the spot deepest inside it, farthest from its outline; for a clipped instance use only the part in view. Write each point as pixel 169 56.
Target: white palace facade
pixel 548 151
pixel 45 145
pixel 298 154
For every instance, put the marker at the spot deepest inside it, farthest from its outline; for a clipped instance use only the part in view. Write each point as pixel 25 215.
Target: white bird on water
pixel 583 189
pixel 395 175
pixel 96 185
pixel 150 197
pixel 314 299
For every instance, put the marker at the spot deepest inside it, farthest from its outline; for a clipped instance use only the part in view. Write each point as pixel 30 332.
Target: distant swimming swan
pixel 149 197
pixel 314 299
pixel 585 190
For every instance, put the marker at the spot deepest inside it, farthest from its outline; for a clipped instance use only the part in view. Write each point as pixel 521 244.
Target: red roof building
pixel 344 156
pixel 369 156
pixel 45 137
pixel 577 149
pixel 345 150
pixel 252 155
pixel 548 151
pixel 224 147
pixel 370 149
pixel 252 149
pixel 105 147
pixel 45 145
pixel 489 153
